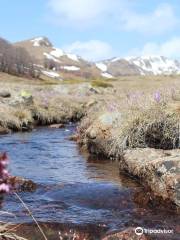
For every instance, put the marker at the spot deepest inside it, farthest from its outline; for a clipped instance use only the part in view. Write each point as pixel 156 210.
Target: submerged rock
pixel 157 170
pixel 54 231
pixel 57 125
pixel 128 234
pixel 73 138
pixel 4 130
pixel 22 184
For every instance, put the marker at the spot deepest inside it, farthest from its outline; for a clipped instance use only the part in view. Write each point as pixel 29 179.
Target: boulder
pixel 21 101
pixel 5 94
pixel 94 90
pixel 99 134
pixel 158 170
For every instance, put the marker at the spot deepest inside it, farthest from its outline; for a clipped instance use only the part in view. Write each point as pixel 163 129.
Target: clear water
pixel 73 189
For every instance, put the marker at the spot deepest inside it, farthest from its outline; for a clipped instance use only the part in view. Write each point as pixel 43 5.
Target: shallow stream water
pixel 74 191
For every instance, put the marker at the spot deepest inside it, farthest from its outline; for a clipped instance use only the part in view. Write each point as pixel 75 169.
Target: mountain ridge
pixel 43 50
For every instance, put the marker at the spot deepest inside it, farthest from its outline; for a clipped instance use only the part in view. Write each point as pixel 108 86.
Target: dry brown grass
pixel 14 118
pixel 57 110
pixel 7 232
pixel 140 121
pixel 154 127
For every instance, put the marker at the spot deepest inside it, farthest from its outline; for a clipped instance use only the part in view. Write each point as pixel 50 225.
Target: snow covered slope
pixel 155 65
pixel 144 65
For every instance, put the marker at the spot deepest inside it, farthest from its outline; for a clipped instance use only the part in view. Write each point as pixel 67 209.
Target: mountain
pixel 52 58
pixel 56 62
pixel 144 65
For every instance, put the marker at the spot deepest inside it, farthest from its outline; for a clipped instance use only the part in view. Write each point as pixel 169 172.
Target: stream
pixel 74 190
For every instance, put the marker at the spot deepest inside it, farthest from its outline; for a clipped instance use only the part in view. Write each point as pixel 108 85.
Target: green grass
pixel 74 81
pixel 100 83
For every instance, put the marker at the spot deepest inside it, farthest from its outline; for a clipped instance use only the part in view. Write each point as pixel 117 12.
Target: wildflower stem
pixel 30 213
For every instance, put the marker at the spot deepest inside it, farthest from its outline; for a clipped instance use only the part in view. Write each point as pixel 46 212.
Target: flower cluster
pixel 4 174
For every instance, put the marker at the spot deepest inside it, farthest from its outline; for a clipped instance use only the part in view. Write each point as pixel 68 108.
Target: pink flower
pixel 4 188
pixel 5 173
pixel 4 163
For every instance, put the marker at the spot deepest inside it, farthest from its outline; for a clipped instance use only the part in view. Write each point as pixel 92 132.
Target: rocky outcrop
pixel 99 134
pixel 25 99
pixel 157 170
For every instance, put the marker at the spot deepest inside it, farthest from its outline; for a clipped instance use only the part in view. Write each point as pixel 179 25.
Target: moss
pixel 74 81
pixel 100 83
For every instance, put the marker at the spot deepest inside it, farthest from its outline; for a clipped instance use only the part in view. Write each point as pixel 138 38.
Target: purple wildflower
pixel 157 97
pixel 112 107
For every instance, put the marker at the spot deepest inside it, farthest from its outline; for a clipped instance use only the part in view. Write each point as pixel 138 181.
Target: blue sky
pixel 96 29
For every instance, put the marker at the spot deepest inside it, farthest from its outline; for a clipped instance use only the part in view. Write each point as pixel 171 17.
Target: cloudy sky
pixel 97 29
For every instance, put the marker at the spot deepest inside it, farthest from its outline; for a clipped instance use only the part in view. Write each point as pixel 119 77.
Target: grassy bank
pixel 35 102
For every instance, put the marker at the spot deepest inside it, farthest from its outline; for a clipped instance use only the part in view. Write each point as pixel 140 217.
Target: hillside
pixel 52 58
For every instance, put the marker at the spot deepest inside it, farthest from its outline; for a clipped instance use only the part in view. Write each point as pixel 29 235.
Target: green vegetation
pixel 101 83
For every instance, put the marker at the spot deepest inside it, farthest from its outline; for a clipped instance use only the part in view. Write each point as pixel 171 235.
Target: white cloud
pixel 161 20
pixel 123 14
pixel 82 12
pixel 92 50
pixel 170 48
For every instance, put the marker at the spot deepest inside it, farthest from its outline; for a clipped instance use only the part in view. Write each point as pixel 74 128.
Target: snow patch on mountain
pixel 71 68
pixel 73 57
pixel 106 75
pixel 156 65
pixel 57 52
pixel 51 74
pixel 50 57
pixel 101 66
pixel 41 41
